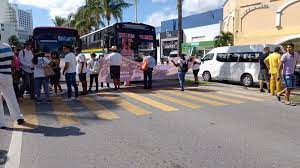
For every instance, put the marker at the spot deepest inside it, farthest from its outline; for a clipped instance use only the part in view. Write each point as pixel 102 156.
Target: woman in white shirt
pixel 39 63
pixel 196 68
pixel 94 67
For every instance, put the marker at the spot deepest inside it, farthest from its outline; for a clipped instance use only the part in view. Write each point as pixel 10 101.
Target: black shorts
pixel 115 72
pixel 195 72
pixel 264 75
pixel 82 77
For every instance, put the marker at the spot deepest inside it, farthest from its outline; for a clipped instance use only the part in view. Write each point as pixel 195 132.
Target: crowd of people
pixel 275 67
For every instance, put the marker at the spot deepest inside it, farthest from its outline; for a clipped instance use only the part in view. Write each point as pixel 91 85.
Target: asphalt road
pixel 213 126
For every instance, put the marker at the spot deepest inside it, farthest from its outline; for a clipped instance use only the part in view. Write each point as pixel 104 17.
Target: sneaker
pixel 75 98
pixel 262 90
pixel 182 89
pixel 49 101
pixel 3 127
pixel 21 121
pixel 39 101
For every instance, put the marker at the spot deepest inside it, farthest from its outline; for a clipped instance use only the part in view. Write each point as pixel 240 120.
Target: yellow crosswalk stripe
pixel 240 96
pixel 150 102
pixel 195 98
pixel 63 112
pixel 177 101
pixel 234 101
pixel 101 111
pixel 29 110
pixel 136 110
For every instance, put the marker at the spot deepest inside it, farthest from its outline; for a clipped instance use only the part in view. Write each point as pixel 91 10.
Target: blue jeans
pixel 290 81
pixel 38 82
pixel 71 81
pixel 181 77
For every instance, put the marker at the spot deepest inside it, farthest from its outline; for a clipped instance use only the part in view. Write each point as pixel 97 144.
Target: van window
pixel 249 57
pixel 208 57
pixel 222 57
pixel 228 57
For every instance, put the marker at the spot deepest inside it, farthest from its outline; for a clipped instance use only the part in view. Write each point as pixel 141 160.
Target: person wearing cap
pixel 6 86
pixel 26 57
pixel 115 60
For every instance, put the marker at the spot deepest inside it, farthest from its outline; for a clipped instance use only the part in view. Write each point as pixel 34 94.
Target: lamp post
pixel 180 32
pixel 136 10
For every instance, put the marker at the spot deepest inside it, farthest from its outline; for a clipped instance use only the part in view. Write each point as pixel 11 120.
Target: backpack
pixel 96 67
pixel 184 67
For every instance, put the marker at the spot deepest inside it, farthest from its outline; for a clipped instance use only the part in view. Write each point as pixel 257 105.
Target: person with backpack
pixel 26 57
pixel 55 65
pixel 182 65
pixel 94 66
pixel 40 78
pixel 147 66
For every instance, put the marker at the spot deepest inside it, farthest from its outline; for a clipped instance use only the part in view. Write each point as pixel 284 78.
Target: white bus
pixel 234 63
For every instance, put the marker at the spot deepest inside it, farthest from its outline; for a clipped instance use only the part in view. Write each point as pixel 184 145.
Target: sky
pixel 149 11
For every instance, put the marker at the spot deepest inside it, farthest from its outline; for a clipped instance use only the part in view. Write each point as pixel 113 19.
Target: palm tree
pixel 224 39
pixel 180 35
pixel 113 8
pixel 59 21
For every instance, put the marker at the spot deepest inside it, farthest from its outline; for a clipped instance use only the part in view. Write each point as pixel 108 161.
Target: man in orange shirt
pixel 273 62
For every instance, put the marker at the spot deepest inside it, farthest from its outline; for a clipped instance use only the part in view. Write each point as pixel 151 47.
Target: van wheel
pixel 247 80
pixel 206 76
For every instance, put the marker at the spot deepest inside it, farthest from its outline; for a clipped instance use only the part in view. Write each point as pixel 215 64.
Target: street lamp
pixel 180 32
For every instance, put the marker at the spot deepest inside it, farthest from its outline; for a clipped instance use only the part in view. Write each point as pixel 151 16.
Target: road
pixel 210 126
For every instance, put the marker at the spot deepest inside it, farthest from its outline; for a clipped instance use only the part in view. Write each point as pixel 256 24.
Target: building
pixel 199 32
pixel 15 21
pixel 24 22
pixel 8 21
pixel 263 21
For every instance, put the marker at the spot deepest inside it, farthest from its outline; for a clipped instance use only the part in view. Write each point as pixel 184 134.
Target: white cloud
pixel 55 7
pixel 156 18
pixel 159 1
pixel 199 6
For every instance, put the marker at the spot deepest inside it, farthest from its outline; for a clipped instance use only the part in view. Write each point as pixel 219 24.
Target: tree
pixel 180 35
pixel 113 8
pixel 224 39
pixel 59 21
pixel 14 41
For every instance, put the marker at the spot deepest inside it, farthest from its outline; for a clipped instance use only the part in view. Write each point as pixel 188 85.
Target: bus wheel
pixel 247 80
pixel 206 76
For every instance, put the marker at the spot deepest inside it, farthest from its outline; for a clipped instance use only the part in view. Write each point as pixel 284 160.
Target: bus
pixel 234 63
pixel 134 41
pixel 49 39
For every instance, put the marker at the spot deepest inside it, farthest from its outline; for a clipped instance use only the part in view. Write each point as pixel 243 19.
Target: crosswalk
pixel 110 106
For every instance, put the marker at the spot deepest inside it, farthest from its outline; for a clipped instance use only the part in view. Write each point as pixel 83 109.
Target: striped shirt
pixel 6 57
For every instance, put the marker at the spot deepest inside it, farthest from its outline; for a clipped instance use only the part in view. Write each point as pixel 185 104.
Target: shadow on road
pixel 49 131
pixel 3 157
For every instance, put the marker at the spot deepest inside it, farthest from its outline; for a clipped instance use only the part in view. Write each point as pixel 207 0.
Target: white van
pixel 234 63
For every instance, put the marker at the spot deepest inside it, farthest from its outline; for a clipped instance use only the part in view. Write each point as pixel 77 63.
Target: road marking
pixel 136 110
pixel 29 109
pixel 177 101
pixel 234 101
pixel 239 96
pixel 254 94
pixel 195 98
pixel 151 102
pixel 15 148
pixel 101 111
pixel 63 112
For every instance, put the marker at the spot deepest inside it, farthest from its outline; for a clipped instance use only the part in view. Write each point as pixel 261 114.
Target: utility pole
pixel 180 32
pixel 136 10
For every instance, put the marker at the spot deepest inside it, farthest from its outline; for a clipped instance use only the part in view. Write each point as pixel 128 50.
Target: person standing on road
pixel 196 68
pixel 6 87
pixel 182 65
pixel 70 72
pixel 81 69
pixel 150 62
pixel 263 71
pixel 287 66
pixel 94 66
pixel 16 73
pixel 115 60
pixel 272 62
pixel 26 57
pixel 40 62
pixel 101 60
pixel 55 65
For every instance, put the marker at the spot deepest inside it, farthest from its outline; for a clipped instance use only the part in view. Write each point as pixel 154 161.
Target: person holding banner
pixel 147 66
pixel 115 60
